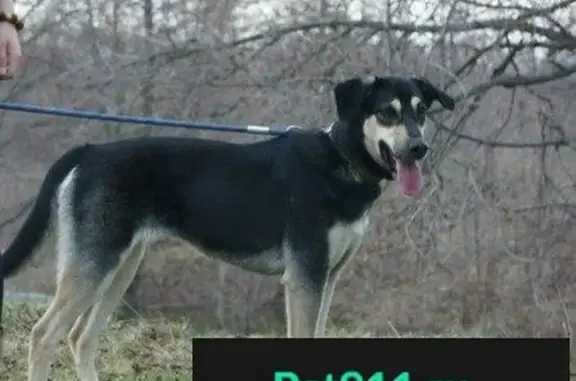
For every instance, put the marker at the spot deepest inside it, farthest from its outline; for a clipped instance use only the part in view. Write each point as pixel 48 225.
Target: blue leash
pixel 93 115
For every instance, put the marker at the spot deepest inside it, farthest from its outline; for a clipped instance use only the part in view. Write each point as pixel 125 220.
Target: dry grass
pixel 141 350
pixel 135 350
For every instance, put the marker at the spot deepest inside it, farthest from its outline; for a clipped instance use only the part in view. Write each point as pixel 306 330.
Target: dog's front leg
pixel 328 293
pixel 304 284
pixel 303 299
pixel 329 286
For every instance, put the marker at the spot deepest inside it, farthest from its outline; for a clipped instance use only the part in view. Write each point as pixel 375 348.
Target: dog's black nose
pixel 418 149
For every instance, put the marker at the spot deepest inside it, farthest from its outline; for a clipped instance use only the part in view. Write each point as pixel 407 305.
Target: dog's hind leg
pixel 76 291
pixel 83 338
pixel 78 282
pixel 77 330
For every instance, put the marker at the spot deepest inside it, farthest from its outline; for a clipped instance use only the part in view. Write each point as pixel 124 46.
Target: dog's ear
pixel 431 93
pixel 350 96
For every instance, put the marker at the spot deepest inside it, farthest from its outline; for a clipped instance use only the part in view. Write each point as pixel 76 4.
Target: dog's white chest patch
pixel 345 239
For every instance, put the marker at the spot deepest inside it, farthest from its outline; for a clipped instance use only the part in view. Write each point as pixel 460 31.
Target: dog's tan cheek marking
pixel 371 138
pixel 393 136
pixel 371 127
pixel 374 130
pixel 398 131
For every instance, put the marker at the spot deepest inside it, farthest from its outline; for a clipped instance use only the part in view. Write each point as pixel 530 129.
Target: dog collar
pixel 354 165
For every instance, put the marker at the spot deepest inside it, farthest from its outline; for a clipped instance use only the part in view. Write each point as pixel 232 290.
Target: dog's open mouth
pixel 408 172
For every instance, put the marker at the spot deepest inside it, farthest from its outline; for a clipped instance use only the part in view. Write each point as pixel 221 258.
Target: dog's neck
pixel 362 166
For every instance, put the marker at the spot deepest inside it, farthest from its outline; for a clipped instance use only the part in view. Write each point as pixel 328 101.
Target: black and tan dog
pixel 295 205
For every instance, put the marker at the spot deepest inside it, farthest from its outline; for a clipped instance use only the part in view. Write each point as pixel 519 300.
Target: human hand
pixel 10 51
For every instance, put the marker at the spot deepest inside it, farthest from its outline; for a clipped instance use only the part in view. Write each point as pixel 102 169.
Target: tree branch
pixel 562 142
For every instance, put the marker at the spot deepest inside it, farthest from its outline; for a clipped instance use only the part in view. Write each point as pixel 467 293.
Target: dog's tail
pixel 36 225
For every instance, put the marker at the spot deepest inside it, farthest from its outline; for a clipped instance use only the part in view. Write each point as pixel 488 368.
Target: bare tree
pixel 487 250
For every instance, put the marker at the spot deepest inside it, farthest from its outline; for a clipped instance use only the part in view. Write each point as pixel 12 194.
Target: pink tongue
pixel 409 177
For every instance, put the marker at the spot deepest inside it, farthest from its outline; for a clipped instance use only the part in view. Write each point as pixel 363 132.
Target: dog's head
pixel 388 115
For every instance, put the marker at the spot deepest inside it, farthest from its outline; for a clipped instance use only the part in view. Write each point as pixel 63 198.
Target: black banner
pixel 381 359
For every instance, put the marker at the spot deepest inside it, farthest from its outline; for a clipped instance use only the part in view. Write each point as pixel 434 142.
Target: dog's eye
pixel 387 115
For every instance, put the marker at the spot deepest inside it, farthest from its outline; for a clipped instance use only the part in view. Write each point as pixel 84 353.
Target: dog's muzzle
pixel 414 150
